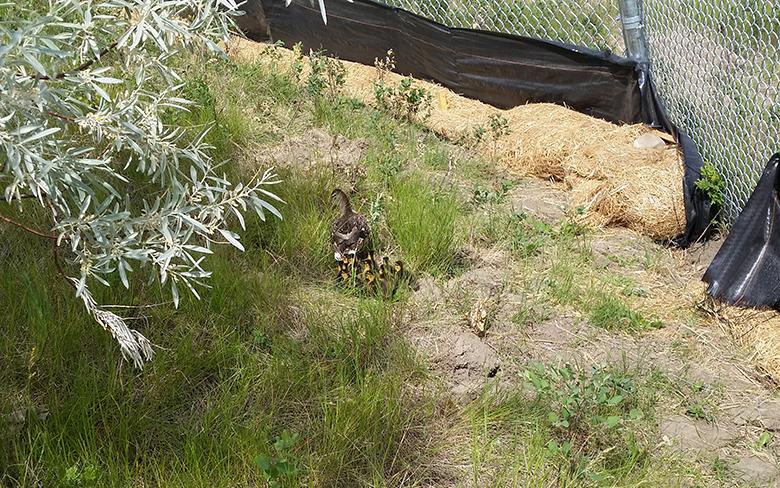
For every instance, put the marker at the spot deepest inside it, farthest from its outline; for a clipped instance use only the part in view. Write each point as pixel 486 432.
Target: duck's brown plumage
pixel 350 232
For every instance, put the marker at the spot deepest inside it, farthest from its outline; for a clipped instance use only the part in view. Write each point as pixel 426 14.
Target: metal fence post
pixel 634 30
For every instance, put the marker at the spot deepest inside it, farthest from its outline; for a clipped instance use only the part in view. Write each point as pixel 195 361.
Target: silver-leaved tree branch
pixel 83 88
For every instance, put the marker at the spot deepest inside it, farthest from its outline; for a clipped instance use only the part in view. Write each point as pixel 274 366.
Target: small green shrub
pixel 405 101
pixel 327 76
pixel 496 195
pixel 499 128
pixel 591 413
pixel 527 234
pixel 697 411
pixel 712 184
pixel 580 400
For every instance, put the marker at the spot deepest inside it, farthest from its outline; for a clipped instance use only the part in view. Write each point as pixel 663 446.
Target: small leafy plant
pixel 580 400
pixel 712 184
pixel 296 69
pixel 80 475
pixel 482 195
pixel 697 411
pixel 278 466
pixel 589 412
pixel 528 235
pixel 327 76
pixel 764 440
pixel 499 127
pixel 405 101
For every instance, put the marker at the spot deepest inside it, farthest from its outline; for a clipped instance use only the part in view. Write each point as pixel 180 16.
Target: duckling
pixel 344 270
pixel 350 232
pixel 391 276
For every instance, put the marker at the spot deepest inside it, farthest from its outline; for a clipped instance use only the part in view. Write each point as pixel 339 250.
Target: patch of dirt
pixel 700 255
pixel 540 199
pixel 318 149
pixel 698 360
pixel 758 470
pixel 618 248
pixel 695 435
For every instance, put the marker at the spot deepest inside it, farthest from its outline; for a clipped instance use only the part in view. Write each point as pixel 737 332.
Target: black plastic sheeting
pixel 746 270
pixel 499 69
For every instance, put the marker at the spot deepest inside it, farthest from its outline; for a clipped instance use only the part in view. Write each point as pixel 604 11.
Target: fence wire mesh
pixel 716 64
pixel 595 24
pixel 717 67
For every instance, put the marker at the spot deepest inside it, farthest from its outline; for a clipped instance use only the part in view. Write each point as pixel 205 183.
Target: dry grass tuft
pixel 757 331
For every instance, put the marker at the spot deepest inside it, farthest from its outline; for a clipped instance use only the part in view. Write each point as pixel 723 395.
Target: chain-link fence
pixel 716 64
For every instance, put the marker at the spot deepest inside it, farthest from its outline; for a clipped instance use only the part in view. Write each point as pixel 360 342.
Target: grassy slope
pixel 274 347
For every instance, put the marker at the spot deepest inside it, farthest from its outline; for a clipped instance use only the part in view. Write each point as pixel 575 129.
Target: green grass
pixel 611 313
pixel 422 221
pixel 215 396
pixel 254 358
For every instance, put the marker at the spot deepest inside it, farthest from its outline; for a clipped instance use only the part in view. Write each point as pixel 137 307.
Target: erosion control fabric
pixel 746 270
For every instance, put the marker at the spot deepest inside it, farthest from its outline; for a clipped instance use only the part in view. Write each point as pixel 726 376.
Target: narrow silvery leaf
pixel 175 293
pixel 123 274
pixel 239 217
pixel 41 135
pixel 271 208
pixel 232 238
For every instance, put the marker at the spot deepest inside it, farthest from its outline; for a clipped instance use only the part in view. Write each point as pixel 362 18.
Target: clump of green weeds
pixel 527 234
pixel 523 234
pixel 590 413
pixel 499 128
pixel 482 195
pixel 296 69
pixel 278 467
pixel 712 184
pixel 405 101
pixel 527 314
pixel 77 475
pixel 327 76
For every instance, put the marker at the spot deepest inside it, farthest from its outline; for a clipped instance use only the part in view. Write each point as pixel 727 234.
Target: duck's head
pixel 340 200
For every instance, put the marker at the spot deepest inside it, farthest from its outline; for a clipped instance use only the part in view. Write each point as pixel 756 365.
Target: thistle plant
pixel 84 85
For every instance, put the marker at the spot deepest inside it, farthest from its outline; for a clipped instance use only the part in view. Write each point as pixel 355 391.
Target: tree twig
pixel 28 229
pixel 86 64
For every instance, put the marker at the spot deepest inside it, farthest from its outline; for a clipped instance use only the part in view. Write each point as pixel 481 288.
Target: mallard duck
pixel 350 232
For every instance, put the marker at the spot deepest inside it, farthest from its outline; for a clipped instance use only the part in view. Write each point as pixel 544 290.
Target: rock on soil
pixel 649 141
pixel 471 363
